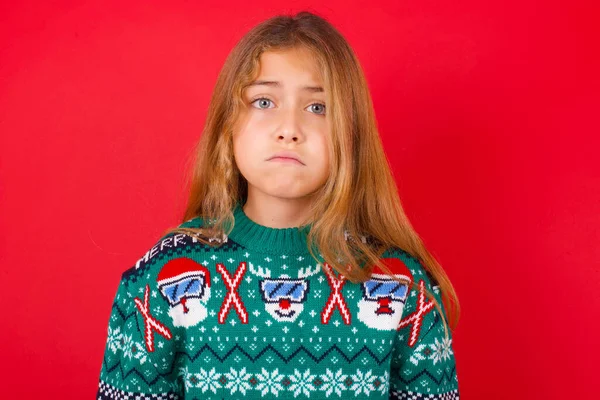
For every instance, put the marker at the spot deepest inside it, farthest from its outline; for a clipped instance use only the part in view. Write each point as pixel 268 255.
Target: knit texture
pixel 258 317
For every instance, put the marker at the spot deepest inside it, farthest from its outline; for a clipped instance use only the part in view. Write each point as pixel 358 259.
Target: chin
pixel 287 192
pixel 288 188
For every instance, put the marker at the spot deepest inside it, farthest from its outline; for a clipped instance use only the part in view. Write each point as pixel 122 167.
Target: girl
pixel 295 271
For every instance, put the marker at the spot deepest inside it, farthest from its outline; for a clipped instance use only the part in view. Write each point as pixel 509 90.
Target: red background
pixel 488 113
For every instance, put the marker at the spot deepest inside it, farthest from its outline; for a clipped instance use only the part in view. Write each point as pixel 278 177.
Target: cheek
pixel 324 152
pixel 238 153
pixel 249 134
pixel 243 138
pixel 245 152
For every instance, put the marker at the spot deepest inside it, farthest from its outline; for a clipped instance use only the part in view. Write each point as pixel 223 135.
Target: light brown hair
pixel 360 197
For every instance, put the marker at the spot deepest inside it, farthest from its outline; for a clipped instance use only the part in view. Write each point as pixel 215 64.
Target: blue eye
pixel 261 98
pixel 321 105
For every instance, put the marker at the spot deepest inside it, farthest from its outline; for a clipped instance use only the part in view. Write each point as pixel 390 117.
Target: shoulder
pixel 418 271
pixel 165 249
pixel 195 222
pixel 423 290
pixel 170 277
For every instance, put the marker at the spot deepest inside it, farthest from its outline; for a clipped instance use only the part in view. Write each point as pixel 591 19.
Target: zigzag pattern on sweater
pixel 294 355
pixel 263 352
pixel 445 378
pixel 123 316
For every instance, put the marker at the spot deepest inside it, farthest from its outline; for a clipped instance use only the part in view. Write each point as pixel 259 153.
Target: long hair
pixel 360 197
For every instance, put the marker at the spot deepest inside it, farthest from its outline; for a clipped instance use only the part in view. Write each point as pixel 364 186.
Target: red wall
pixel 489 114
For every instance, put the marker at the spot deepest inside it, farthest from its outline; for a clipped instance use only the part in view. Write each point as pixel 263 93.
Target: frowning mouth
pixel 287 157
pixel 286 160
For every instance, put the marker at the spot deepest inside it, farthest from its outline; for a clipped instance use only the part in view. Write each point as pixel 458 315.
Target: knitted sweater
pixel 258 317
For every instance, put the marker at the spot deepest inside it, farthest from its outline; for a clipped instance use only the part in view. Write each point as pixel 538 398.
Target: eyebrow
pixel 277 84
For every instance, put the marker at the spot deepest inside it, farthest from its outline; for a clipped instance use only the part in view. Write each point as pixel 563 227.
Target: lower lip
pixel 286 160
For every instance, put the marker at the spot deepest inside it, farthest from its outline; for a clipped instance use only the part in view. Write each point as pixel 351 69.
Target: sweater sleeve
pixel 423 364
pixel 139 354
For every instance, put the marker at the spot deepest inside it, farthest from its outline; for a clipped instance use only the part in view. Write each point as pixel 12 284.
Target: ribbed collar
pixel 265 239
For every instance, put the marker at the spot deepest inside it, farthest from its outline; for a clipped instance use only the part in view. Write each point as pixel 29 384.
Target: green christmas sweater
pixel 258 317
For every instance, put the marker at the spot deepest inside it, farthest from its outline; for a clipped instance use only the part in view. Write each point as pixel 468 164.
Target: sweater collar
pixel 265 239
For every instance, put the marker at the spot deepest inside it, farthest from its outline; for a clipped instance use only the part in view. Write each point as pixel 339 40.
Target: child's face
pixel 291 119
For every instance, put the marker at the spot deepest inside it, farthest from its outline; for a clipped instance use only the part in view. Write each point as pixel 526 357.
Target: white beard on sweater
pixel 367 313
pixel 196 312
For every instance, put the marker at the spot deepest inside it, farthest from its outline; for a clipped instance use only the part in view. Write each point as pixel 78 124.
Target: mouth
pixel 284 315
pixel 286 158
pixel 384 310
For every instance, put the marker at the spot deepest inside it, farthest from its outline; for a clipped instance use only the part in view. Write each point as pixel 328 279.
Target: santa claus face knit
pixel 258 317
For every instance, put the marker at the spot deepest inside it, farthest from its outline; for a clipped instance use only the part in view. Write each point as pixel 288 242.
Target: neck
pixel 276 212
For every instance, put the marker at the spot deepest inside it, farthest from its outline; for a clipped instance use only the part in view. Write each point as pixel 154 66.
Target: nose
pixel 384 302
pixel 288 137
pixel 185 308
pixel 284 303
pixel 289 130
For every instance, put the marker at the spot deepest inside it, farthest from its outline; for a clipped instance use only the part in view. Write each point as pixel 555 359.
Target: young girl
pixel 296 271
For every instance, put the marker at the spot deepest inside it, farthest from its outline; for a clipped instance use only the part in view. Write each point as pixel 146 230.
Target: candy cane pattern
pixel 232 296
pixel 150 324
pixel 335 298
pixel 416 318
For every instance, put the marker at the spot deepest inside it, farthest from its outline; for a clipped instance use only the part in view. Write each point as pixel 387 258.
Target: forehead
pixel 291 67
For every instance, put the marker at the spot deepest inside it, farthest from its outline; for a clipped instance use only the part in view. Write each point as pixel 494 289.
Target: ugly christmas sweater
pixel 258 317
